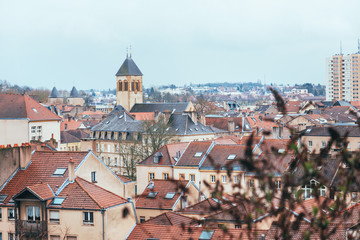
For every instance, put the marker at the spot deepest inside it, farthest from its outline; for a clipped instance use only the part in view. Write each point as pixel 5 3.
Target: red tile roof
pixel 293 106
pixel 171 219
pixel 207 207
pixel 169 152
pixel 23 106
pixel 164 232
pixel 41 170
pixel 223 123
pixel 188 158
pixel 70 125
pixel 123 178
pixel 143 116
pixel 218 156
pixel 162 187
pixel 82 194
pixel 41 191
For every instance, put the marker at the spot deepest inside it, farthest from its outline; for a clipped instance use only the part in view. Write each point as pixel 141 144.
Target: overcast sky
pixel 83 42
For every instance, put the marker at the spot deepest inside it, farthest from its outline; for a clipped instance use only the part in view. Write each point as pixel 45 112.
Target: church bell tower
pixel 129 85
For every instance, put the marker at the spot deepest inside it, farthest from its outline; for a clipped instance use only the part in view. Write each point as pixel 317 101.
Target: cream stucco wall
pixel 317 143
pixel 49 129
pixel 14 131
pixel 142 174
pixel 105 178
pixel 6 226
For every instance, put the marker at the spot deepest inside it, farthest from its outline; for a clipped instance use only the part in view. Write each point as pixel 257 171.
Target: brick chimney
pixel 24 155
pixel 231 125
pixel 71 169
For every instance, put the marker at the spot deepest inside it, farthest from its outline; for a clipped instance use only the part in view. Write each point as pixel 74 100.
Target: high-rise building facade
pixel 343 72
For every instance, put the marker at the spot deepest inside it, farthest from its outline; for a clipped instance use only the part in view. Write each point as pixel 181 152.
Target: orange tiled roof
pixel 164 232
pixel 206 207
pixel 162 187
pixel 172 218
pixel 41 170
pixel 70 125
pixel 223 123
pixel 82 194
pixel 219 153
pixel 23 106
pixel 41 190
pixel 143 116
pixel 188 158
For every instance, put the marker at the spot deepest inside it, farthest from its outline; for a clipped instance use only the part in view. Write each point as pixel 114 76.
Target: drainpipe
pixel 103 223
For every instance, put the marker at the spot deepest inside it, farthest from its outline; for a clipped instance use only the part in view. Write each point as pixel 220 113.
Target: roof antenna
pixel 340 47
pixel 127 52
pixel 358 45
pixel 130 51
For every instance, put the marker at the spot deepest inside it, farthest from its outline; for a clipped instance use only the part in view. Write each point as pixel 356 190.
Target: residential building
pixel 343 72
pixel 70 195
pixel 22 119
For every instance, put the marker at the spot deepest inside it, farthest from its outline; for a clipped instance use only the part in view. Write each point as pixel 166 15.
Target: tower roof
pixel 54 93
pixel 74 93
pixel 129 68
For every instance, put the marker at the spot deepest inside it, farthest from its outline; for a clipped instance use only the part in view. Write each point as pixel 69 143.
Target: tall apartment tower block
pixel 343 72
pixel 129 84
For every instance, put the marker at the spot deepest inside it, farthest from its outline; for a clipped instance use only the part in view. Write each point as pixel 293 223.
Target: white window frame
pixel 87 218
pixel 52 212
pixel 223 179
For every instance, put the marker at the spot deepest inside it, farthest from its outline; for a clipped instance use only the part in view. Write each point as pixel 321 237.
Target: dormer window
pixel 2 198
pixel 157 156
pixel 198 154
pixel 59 171
pixel 231 157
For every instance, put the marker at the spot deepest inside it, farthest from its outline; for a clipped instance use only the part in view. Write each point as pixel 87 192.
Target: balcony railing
pixel 31 228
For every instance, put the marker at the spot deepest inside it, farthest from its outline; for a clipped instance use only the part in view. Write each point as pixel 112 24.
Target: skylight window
pixel 34 109
pixel 205 235
pixel 60 171
pixel 196 129
pixel 198 154
pixel 170 195
pixel 152 194
pixel 2 198
pixel 231 157
pixel 121 116
pixel 58 201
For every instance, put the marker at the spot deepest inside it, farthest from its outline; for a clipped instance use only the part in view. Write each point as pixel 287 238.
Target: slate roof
pixel 74 93
pixel 119 122
pixel 162 187
pixel 41 170
pixel 352 131
pixel 54 93
pixel 14 106
pixel 82 194
pixel 73 136
pixel 182 124
pixel 160 107
pixel 129 68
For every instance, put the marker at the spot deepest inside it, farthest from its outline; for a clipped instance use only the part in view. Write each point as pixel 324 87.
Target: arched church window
pixel 137 86
pixel 120 86
pixel 126 87
pixel 132 86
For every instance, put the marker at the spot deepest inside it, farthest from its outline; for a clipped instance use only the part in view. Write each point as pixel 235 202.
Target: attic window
pixel 170 195
pixel 157 157
pixel 60 171
pixel 196 129
pixel 198 154
pixel 152 194
pixel 176 129
pixel 190 129
pixel 231 157
pixel 58 201
pixel 107 122
pixel 121 116
pixel 206 235
pixel 3 197
pixel 34 109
